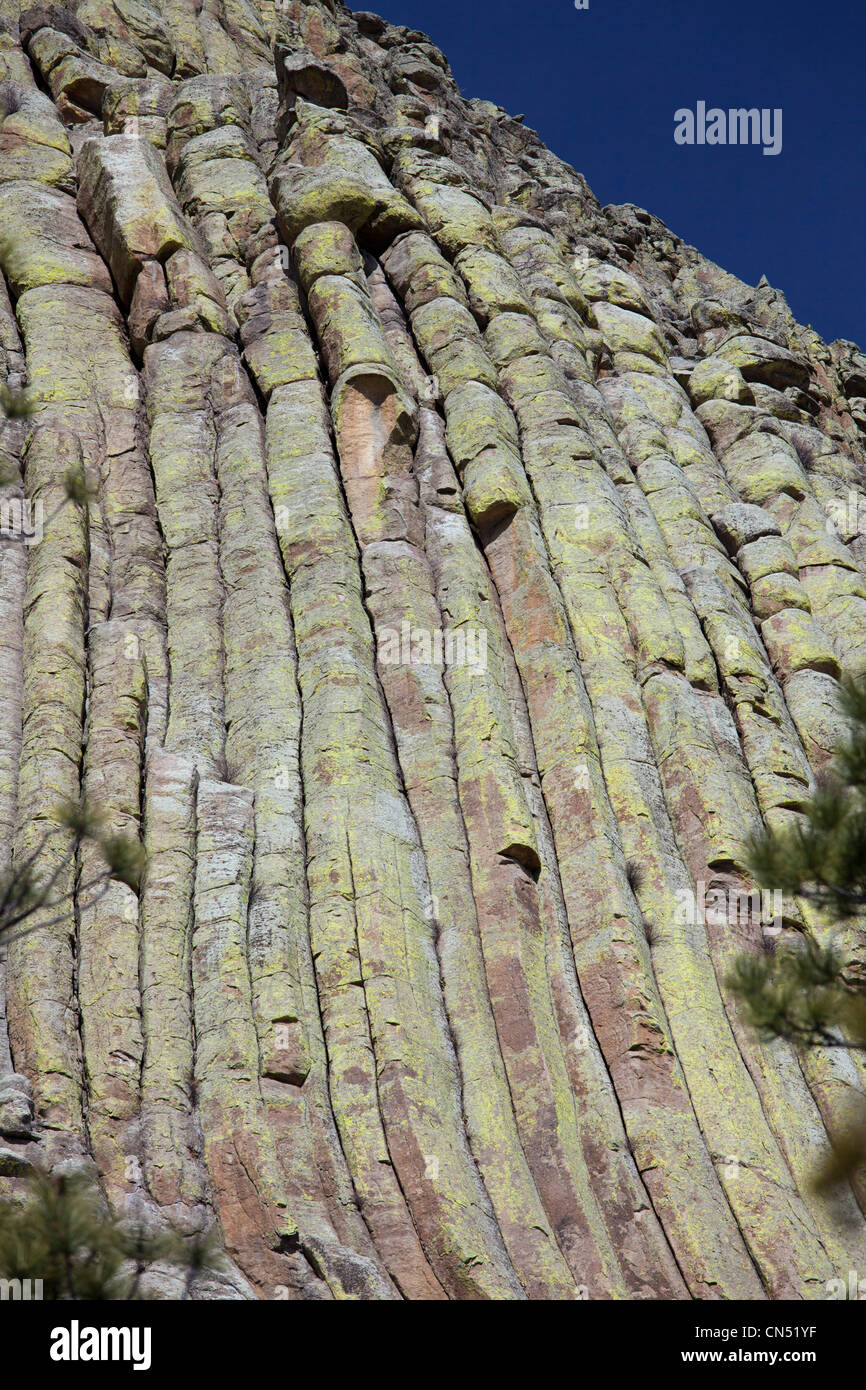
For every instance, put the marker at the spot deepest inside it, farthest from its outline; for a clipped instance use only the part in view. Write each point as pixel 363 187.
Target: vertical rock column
pixel 53 272
pixel 374 423
pixel 387 872
pixel 518 547
pixel 221 186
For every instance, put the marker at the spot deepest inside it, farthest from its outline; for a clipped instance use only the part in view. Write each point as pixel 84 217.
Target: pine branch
pixel 25 896
pixel 804 994
pixel 65 1236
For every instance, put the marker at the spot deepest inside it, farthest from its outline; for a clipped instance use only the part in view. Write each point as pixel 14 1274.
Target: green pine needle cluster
pixel 77 489
pixel 15 404
pixel 18 404
pixel 64 1236
pixel 824 857
pixel 801 995
pixel 805 993
pixel 28 892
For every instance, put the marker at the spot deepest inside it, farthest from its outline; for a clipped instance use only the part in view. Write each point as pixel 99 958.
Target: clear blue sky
pixel 601 87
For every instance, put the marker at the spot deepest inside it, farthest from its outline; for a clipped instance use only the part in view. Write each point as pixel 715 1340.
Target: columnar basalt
pixel 468 570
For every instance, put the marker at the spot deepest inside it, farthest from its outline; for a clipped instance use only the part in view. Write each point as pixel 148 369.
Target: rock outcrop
pixel 469 571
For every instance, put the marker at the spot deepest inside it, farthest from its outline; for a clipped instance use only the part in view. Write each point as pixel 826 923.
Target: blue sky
pixel 601 87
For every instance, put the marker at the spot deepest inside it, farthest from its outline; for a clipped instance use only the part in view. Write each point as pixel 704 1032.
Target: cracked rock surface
pixel 470 570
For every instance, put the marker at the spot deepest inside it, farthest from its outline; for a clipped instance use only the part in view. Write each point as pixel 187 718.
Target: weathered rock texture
pixel 470 571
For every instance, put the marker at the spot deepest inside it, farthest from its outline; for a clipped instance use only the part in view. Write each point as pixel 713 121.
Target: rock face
pixel 470 571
